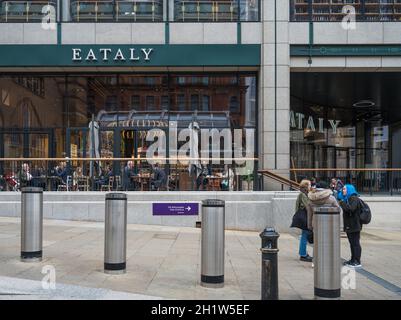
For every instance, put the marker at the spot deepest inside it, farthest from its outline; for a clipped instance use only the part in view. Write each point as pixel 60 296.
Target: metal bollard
pixel 269 251
pixel 115 240
pixel 326 251
pixel 31 224
pixel 212 252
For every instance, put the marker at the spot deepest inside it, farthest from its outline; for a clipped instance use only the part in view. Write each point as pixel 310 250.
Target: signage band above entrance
pixel 212 55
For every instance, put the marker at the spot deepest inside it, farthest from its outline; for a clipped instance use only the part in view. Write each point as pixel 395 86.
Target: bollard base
pixel 212 285
pixel 115 268
pixel 31 259
pixel 114 271
pixel 212 281
pixel 33 256
pixel 327 294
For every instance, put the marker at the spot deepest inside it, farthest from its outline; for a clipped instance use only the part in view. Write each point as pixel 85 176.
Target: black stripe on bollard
pixel 115 266
pixel 213 203
pixel 31 190
pixel 327 213
pixel 116 196
pixel 31 254
pixel 212 279
pixel 327 293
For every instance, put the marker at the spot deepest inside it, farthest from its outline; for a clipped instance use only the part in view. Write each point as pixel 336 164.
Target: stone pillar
pixel 275 90
pixel 65 10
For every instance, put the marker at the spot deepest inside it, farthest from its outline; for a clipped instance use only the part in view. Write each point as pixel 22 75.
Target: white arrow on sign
pixel 189 208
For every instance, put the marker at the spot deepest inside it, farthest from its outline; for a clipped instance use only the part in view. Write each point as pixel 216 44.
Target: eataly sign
pixel 106 54
pixel 297 120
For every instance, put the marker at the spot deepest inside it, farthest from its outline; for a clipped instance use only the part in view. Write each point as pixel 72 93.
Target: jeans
pixel 356 249
pixel 303 241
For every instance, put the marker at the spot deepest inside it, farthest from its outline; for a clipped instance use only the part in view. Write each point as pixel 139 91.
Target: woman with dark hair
pixel 302 204
pixel 352 225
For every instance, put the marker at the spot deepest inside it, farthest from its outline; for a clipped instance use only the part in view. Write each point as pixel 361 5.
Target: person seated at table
pixel 227 183
pixel 159 180
pixel 107 172
pixel 25 176
pixel 76 175
pixel 202 180
pixel 128 172
pixel 37 177
pixel 63 171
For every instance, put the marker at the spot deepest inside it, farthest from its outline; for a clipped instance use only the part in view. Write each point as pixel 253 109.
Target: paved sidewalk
pixel 165 262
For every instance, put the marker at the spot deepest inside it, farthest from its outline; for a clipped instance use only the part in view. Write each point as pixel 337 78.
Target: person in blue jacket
pixel 349 202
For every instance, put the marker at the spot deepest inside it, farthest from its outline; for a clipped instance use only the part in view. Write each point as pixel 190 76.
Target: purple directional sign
pixel 175 209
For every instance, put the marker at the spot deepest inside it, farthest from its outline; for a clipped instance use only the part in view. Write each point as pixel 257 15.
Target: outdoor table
pixel 53 181
pixel 142 180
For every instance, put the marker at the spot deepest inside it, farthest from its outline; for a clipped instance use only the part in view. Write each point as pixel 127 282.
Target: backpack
pixel 365 214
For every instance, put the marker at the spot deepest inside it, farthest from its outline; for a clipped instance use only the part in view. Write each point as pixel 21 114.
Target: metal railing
pixel 293 185
pixel 332 11
pixel 27 11
pixel 204 10
pixel 99 11
pixel 134 10
pixel 371 181
pixel 216 11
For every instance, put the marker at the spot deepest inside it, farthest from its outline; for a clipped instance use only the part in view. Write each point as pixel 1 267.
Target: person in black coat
pixel 128 172
pixel 159 180
pixel 352 225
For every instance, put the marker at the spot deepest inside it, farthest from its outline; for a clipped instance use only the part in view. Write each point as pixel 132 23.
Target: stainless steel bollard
pixel 212 244
pixel 269 286
pixel 31 224
pixel 327 256
pixel 115 240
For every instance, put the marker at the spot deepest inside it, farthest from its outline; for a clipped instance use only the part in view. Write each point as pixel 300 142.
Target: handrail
pixel 127 159
pixel 284 181
pixel 345 169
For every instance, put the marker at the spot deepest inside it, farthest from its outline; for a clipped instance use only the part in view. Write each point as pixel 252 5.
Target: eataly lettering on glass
pixel 298 120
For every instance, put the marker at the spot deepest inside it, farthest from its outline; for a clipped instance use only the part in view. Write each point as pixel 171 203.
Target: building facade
pixel 315 84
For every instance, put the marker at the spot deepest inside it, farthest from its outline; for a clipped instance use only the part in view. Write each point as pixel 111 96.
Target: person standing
pixel 302 204
pixel 159 180
pixel 127 174
pixel 227 182
pixel 352 225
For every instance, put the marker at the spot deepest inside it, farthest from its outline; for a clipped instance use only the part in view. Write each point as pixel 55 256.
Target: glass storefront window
pixel 345 121
pixel 47 117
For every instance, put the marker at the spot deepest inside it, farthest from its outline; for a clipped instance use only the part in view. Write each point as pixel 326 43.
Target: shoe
pixel 306 258
pixel 346 263
pixel 354 264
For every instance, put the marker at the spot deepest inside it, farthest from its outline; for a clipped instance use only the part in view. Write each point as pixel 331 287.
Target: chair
pixel 118 182
pixel 109 186
pixel 82 184
pixel 65 186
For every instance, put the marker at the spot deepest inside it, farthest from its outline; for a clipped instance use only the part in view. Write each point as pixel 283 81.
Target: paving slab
pixel 164 262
